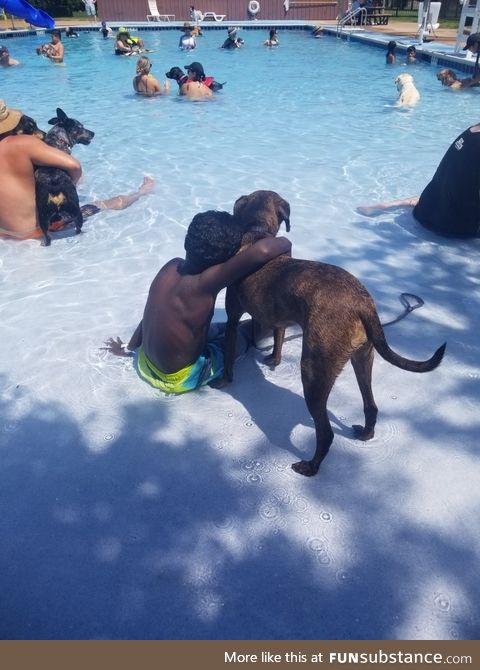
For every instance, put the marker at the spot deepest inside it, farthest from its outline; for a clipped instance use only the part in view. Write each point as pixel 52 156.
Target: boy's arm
pixel 243 263
pixel 118 348
pixel 136 339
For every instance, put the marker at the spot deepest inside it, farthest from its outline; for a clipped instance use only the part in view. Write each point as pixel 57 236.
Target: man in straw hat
pixel 19 156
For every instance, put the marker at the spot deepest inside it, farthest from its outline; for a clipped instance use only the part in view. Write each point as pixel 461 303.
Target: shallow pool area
pixel 130 514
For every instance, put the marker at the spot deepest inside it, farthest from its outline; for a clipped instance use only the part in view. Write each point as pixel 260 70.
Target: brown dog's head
pixel 262 211
pixel 447 77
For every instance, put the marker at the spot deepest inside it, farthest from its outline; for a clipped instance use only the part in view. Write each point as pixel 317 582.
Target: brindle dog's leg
pixel 234 312
pixel 318 378
pixel 276 356
pixel 362 361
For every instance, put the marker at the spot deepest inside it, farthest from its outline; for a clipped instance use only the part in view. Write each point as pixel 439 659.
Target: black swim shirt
pixel 450 204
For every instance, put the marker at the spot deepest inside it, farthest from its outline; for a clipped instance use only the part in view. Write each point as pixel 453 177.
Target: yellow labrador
pixel 409 96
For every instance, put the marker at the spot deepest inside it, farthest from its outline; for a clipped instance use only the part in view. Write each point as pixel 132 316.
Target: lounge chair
pixel 431 24
pixel 215 17
pixel 155 14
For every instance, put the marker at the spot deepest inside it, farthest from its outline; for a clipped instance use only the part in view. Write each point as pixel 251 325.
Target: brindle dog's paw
pixel 272 360
pixel 305 468
pixel 362 433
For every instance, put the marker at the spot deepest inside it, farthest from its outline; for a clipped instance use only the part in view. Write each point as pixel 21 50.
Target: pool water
pixel 311 119
pixel 151 516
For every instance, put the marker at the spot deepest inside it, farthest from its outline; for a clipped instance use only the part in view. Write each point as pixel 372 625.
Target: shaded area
pixel 150 540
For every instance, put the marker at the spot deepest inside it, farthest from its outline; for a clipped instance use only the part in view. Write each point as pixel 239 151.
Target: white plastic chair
pixel 155 14
pixel 215 17
pixel 432 23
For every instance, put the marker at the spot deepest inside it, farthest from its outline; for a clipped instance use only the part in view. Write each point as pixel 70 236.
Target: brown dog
pixel 450 79
pixel 337 315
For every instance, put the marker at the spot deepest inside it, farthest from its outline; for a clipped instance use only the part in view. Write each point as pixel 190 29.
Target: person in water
pixel 391 57
pixel 19 156
pixel 5 59
pixel 145 83
pixel 450 204
pixel 53 50
pixel 176 351
pixel 272 39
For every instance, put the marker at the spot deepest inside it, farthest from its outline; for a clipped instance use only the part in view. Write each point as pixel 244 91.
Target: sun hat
pixel 9 118
pixel 195 67
pixel 471 40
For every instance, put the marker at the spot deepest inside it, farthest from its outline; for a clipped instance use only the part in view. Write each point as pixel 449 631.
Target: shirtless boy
pixel 175 354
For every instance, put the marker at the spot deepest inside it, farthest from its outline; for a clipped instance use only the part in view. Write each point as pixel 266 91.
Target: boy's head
pixel 212 238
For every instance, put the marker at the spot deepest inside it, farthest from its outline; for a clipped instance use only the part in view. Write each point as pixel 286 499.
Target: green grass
pixel 409 18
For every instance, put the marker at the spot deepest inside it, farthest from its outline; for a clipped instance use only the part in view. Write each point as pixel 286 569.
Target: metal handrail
pixel 347 18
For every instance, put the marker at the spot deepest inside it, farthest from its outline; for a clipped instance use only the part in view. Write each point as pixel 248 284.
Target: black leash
pixel 404 299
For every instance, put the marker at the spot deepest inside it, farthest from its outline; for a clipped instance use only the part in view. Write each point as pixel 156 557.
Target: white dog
pixel 409 96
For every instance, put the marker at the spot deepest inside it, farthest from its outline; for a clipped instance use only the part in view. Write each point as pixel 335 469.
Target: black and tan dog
pixel 27 126
pixel 56 194
pixel 336 313
pixel 181 78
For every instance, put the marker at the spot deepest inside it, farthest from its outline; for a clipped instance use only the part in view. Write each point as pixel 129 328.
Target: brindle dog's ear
pixel 284 213
pixel 239 204
pixel 54 121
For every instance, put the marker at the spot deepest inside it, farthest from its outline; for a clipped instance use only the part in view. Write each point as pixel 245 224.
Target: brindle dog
pixel 337 315
pixel 55 192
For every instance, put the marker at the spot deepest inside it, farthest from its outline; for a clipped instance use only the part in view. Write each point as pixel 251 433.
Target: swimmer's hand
pixel 116 347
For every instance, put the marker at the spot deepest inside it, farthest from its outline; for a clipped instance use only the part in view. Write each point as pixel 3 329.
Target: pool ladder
pixel 351 19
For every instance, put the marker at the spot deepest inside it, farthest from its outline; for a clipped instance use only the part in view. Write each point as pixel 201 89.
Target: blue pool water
pixel 311 119
pixel 129 514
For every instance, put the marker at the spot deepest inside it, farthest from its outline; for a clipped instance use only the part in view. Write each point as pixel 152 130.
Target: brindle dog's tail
pixel 375 334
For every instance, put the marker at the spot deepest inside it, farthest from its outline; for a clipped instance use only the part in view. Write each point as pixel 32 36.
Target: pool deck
pixel 440 52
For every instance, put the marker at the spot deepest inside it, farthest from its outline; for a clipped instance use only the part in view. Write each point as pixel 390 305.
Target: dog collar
pixel 61 144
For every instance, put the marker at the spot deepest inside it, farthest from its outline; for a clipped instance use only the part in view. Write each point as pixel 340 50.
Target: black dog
pixel 178 74
pixel 56 194
pixel 181 78
pixel 27 126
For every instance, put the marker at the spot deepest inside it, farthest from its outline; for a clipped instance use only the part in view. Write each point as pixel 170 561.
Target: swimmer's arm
pixel 56 54
pixel 219 276
pixel 42 155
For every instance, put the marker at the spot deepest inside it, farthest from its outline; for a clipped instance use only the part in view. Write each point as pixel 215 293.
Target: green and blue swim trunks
pixel 205 369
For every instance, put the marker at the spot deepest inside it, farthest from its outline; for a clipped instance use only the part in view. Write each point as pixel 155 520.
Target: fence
pixel 451 9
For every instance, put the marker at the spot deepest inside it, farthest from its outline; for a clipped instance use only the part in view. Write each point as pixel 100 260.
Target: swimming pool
pixel 150 516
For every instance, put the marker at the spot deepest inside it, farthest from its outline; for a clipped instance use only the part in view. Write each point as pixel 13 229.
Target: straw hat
pixel 9 118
